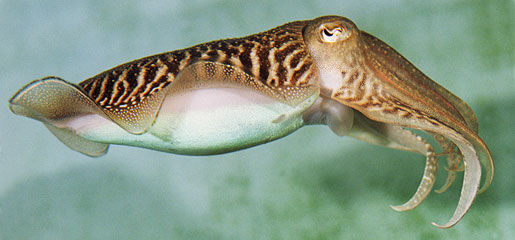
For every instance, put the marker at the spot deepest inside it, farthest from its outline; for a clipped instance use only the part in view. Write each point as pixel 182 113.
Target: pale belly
pixel 205 121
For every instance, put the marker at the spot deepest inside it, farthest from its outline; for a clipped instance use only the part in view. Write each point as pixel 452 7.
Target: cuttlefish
pixel 232 94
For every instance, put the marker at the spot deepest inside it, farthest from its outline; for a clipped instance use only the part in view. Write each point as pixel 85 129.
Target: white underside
pixel 203 121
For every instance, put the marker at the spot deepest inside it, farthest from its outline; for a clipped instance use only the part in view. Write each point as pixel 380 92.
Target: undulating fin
pixel 137 118
pixel 52 101
pixel 78 143
pixel 212 74
pixel 110 87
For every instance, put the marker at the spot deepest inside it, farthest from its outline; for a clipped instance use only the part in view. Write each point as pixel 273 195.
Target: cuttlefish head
pixel 360 71
pixel 334 43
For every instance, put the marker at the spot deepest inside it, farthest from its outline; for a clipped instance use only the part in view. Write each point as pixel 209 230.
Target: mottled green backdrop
pixel 310 185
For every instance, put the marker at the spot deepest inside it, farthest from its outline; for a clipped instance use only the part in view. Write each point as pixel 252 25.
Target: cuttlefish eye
pixel 334 34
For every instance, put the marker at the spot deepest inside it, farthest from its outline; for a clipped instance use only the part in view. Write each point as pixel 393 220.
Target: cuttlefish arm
pixel 453 157
pixel 362 72
pixel 410 101
pixel 443 112
pixel 382 57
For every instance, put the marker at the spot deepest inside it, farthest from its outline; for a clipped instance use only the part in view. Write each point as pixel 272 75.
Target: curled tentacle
pixel 409 139
pixel 471 180
pixel 425 185
pixel 428 179
pixel 453 160
pixel 453 157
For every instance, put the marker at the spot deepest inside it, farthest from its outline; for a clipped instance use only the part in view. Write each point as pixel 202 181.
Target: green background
pixel 309 185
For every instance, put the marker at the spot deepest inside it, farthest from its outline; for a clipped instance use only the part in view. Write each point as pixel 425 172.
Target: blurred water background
pixel 310 185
